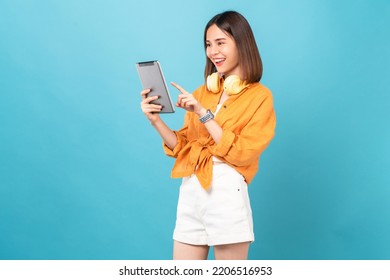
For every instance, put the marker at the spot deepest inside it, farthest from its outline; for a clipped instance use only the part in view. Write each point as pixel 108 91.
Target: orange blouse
pixel 248 123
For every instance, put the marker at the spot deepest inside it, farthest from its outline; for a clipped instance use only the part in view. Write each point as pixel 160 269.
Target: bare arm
pixel 212 126
pixel 151 112
pixel 168 136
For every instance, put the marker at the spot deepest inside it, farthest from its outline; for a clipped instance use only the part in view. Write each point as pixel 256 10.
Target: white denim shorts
pixel 219 215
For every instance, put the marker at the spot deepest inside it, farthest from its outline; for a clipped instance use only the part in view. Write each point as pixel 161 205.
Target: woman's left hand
pixel 187 101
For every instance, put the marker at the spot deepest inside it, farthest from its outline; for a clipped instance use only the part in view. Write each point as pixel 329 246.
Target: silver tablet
pixel 151 76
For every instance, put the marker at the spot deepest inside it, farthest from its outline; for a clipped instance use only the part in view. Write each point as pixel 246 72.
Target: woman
pixel 229 121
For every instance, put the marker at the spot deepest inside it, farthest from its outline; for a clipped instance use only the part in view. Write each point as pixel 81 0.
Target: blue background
pixel 82 172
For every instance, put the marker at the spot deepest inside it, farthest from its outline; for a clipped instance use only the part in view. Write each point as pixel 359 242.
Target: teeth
pixel 219 60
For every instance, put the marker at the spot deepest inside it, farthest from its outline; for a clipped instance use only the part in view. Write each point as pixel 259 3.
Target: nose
pixel 214 49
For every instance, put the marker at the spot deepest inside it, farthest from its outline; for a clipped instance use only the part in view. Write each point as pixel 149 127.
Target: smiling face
pixel 221 49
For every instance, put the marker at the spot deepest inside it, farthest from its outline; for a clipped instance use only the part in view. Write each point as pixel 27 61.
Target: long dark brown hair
pixel 238 28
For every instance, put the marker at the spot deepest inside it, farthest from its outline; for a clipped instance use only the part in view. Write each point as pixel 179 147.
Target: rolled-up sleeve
pixel 243 146
pixel 224 145
pixel 181 142
pixel 181 136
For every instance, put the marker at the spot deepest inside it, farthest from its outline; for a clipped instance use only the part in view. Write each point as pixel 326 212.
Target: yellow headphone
pixel 232 84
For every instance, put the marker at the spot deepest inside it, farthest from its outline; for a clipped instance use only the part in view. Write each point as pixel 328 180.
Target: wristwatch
pixel 207 117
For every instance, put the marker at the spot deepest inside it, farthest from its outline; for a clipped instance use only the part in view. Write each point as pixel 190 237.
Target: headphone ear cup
pixel 233 85
pixel 213 82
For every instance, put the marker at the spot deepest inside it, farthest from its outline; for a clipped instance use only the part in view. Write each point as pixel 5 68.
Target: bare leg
pixel 236 251
pixel 183 251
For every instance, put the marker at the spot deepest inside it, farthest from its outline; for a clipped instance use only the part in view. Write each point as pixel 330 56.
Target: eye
pixel 208 45
pixel 220 43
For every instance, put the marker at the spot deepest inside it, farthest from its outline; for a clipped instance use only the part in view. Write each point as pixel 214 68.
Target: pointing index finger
pixel 182 90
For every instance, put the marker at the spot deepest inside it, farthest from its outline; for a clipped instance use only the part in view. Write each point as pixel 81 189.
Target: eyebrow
pixel 218 39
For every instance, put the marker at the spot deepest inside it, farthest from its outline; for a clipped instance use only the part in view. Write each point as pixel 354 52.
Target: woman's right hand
pixel 150 110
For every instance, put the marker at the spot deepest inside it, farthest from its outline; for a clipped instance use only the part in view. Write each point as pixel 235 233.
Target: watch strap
pixel 209 116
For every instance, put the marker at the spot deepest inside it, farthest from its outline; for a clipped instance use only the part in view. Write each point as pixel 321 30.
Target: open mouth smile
pixel 219 61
